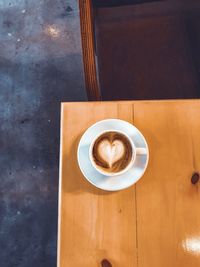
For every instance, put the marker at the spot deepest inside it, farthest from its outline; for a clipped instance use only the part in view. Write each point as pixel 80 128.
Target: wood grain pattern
pixel 89 62
pixel 152 224
pixel 168 203
pixel 95 225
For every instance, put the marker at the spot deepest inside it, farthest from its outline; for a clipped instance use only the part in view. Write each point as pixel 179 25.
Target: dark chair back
pixel 142 51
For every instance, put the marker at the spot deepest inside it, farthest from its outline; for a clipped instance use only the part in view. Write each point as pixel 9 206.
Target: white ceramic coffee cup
pixel 135 151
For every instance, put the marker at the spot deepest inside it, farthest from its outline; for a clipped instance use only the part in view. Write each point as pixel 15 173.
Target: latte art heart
pixel 111 152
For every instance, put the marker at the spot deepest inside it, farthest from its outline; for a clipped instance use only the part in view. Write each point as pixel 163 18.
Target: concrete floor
pixel 40 66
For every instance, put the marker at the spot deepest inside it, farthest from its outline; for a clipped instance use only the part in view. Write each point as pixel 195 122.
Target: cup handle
pixel 141 151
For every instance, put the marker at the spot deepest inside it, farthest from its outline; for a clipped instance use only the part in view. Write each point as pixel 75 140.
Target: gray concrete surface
pixel 40 66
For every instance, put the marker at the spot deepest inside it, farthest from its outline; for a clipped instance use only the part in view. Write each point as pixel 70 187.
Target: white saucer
pixel 112 183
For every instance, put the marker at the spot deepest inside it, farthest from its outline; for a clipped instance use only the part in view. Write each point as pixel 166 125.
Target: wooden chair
pixel 148 51
pixel 88 48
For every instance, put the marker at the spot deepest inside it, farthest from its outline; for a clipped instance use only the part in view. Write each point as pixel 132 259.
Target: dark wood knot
pixel 105 263
pixel 195 178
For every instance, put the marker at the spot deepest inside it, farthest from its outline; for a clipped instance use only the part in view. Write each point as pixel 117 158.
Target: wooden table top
pixel 154 223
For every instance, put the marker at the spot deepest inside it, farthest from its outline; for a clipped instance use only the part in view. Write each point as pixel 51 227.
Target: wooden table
pixel 155 223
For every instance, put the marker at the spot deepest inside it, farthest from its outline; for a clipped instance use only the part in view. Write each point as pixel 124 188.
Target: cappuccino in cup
pixel 112 153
